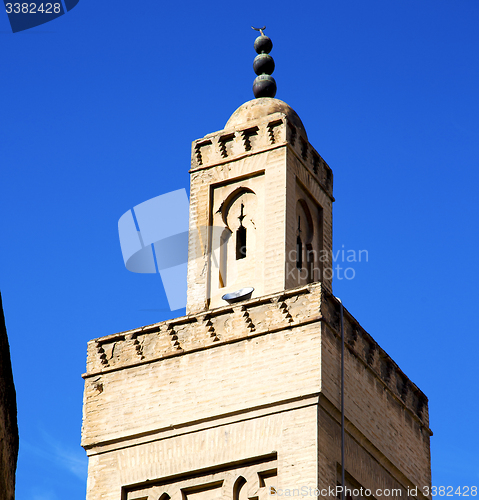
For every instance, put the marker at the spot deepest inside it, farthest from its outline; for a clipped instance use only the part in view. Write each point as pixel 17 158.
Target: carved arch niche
pixel 236 255
pixel 304 243
pixel 237 242
pixel 309 241
pixel 238 218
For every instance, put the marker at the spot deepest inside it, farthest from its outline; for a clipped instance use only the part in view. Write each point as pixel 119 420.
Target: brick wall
pixel 243 382
pixel 269 155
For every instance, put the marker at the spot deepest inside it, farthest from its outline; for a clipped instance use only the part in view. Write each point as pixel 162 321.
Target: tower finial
pixel 264 84
pixel 259 29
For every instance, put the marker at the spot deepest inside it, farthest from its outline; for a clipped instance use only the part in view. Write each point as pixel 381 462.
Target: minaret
pixel 265 193
pixel 243 400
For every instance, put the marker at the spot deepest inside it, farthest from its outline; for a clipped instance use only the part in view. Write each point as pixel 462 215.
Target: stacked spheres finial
pixel 263 65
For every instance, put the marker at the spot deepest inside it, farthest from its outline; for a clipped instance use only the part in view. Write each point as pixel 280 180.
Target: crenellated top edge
pixel 257 136
pixel 258 316
pixel 375 358
pixel 191 318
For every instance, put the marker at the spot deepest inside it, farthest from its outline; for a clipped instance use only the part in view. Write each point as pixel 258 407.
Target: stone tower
pixel 268 195
pixel 242 400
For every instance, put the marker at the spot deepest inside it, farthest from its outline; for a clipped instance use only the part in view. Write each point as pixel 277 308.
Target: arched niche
pixel 305 238
pixel 240 491
pixel 238 239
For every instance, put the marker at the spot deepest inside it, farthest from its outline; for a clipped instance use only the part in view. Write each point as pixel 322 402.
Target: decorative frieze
pixel 272 132
pixel 285 310
pixel 253 480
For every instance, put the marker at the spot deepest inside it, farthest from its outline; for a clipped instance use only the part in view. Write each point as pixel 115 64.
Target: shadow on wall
pixel 8 417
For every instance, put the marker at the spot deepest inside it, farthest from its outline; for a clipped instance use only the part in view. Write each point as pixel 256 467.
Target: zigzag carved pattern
pixel 293 134
pixel 223 151
pixel 210 329
pixel 138 347
pixel 271 127
pixel 284 309
pixel 371 353
pixel 173 336
pixel 102 355
pixel 199 158
pixel 248 321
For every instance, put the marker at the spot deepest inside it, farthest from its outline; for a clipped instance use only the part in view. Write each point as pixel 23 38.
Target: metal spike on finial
pixel 264 84
pixel 259 29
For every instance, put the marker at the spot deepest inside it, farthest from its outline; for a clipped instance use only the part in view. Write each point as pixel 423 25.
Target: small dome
pixel 264 106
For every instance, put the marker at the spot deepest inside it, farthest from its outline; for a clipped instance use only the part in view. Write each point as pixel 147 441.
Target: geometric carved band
pixel 248 480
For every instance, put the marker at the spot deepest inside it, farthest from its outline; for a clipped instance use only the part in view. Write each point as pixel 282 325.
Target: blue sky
pixel 98 111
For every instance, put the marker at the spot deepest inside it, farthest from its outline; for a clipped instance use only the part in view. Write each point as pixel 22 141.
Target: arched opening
pixel 299 246
pixel 238 212
pixel 233 243
pixel 299 253
pixel 239 492
pixel 241 243
pixel 241 236
pixel 305 246
pixel 310 263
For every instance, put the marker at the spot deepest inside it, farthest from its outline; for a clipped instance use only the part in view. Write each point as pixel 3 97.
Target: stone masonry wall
pixel 385 411
pixel 186 452
pixel 270 146
pixel 163 399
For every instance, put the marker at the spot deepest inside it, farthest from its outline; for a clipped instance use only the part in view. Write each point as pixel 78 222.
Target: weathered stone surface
pixel 232 380
pixel 257 109
pixel 264 153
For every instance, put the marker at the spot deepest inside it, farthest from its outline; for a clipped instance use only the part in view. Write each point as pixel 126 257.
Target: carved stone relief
pixel 247 481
